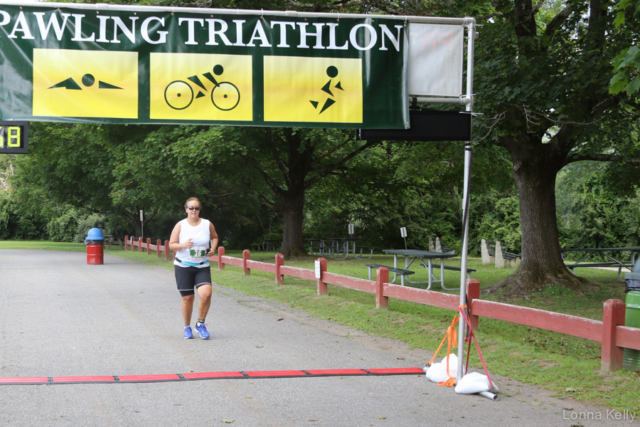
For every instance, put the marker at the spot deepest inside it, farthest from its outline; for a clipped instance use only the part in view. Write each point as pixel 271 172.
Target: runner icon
pixel 225 96
pixel 332 72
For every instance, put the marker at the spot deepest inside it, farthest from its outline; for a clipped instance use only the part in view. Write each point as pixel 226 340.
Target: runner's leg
pixel 187 308
pixel 204 294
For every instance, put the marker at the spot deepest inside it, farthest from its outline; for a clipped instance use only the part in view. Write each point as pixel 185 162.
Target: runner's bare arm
pixel 175 238
pixel 214 239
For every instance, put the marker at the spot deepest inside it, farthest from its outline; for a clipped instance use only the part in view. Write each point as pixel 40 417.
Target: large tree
pixel 275 166
pixel 543 74
pixel 74 164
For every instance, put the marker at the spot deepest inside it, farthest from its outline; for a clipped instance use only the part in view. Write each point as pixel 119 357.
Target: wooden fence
pixel 610 332
pixel 131 243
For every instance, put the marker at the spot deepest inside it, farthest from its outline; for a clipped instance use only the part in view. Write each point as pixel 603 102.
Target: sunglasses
pixel 193 207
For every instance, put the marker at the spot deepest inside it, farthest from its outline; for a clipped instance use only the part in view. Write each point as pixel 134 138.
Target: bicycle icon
pixel 225 96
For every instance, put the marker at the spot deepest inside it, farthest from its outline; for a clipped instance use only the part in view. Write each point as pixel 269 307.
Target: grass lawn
pixel 566 365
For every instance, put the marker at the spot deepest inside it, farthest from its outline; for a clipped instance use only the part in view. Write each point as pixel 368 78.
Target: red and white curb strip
pixel 119 379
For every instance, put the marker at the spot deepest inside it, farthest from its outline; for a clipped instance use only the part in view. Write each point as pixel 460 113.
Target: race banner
pixel 106 64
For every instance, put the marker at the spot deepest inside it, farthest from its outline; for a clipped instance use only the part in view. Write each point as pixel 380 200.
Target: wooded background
pixel 556 160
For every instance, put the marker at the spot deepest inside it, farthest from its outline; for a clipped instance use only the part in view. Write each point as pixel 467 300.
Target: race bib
pixel 198 252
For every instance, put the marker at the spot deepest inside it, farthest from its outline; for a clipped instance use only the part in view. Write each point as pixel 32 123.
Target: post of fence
pixel 140 244
pixel 473 292
pixel 220 255
pixel 279 263
pixel 246 256
pixel 148 245
pixel 382 277
pixel 126 242
pixel 612 317
pixel 322 286
pixel 158 245
pixel 167 250
pixel 132 243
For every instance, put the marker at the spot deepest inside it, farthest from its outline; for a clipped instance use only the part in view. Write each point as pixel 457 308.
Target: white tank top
pixel 201 235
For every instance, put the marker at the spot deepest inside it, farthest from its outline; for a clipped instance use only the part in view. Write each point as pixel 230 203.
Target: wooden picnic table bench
pixel 110 239
pixel 491 246
pixel 400 271
pixel 503 259
pixel 454 268
pixel 613 263
pixel 370 248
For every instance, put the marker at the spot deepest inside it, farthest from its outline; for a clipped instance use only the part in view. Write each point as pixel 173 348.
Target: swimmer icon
pixel 225 96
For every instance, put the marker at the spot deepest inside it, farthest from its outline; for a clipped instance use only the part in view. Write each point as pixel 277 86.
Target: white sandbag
pixel 438 371
pixel 473 383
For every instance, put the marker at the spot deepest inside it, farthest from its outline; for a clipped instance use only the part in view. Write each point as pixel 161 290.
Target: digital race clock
pixel 14 137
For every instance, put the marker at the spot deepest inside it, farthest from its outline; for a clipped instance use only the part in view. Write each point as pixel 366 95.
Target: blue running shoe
pixel 202 330
pixel 188 335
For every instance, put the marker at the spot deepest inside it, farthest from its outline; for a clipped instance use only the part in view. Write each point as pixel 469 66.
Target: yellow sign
pixel 300 89
pixel 195 86
pixel 85 83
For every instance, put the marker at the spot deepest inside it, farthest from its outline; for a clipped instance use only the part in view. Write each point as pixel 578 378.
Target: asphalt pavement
pixel 62 317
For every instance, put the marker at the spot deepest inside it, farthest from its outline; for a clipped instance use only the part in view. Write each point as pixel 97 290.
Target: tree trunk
pixel 535 167
pixel 292 213
pixel 133 223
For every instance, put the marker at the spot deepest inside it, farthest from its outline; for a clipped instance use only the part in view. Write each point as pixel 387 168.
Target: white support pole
pixel 468 156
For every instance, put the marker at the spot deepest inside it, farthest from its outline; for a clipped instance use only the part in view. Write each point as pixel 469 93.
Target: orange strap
pixel 452 336
pixel 447 335
pixel 452 340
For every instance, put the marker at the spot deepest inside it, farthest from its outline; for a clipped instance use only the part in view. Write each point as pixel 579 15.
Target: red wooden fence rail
pixel 158 247
pixel 611 332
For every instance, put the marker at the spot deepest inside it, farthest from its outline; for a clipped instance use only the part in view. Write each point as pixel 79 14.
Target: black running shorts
pixel 190 278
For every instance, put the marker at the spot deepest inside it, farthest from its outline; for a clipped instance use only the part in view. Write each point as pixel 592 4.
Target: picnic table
pixel 427 256
pixel 337 247
pixel 613 263
pixel 110 239
pixel 345 245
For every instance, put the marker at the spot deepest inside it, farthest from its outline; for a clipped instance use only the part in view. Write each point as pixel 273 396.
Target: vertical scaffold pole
pixel 468 159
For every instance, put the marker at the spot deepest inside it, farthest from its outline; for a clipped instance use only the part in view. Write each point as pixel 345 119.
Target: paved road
pixel 61 317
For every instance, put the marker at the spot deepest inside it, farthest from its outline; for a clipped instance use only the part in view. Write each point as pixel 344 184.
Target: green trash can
pixel 631 358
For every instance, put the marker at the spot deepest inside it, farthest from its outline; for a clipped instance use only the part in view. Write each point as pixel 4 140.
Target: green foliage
pixel 87 223
pixel 62 227
pixel 17 221
pixel 626 65
pixel 593 211
pixel 502 223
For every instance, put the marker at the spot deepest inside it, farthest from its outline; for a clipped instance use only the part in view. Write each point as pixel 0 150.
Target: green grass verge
pixel 566 365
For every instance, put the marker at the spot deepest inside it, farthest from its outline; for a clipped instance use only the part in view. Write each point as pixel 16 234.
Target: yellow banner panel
pixel 85 83
pixel 196 86
pixel 301 89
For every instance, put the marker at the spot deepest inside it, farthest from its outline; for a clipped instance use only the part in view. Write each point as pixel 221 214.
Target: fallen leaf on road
pixel 282 318
pixel 312 421
pixel 259 346
pixel 535 403
pixel 228 421
pixel 382 418
pixel 400 358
